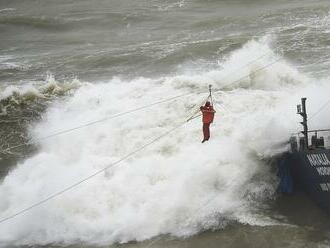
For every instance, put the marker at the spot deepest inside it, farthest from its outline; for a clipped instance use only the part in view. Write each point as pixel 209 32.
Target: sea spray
pixel 178 186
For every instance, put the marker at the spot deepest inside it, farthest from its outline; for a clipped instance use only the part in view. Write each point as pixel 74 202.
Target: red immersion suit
pixel 208 116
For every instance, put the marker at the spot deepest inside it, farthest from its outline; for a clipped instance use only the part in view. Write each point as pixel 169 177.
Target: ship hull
pixel 310 169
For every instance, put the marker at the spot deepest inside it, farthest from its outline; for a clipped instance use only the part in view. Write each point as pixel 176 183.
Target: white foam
pixel 178 186
pixel 38 89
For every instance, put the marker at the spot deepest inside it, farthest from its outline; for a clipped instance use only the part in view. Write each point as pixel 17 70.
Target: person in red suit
pixel 208 116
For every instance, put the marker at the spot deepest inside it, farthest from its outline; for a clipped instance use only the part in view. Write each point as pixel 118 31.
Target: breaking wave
pixel 177 187
pixel 12 97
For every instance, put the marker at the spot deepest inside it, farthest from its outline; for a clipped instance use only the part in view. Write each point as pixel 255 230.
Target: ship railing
pixel 319 139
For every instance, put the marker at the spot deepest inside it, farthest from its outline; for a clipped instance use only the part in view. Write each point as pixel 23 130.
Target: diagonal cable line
pixel 320 109
pixel 237 80
pixel 112 165
pixel 54 195
pixel 33 141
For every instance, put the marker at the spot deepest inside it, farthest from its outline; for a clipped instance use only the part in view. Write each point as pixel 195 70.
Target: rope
pixel 210 94
pixel 193 117
pixel 312 116
pixel 260 69
pixel 251 62
pixel 92 175
pixel 197 109
pixel 33 141
pixel 220 89
pixel 320 109
pixel 52 196
pixel 315 113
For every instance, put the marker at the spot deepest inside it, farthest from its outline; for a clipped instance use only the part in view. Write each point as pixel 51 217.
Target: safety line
pixel 233 82
pixel 259 69
pixel 92 175
pixel 118 161
pixel 33 141
pixel 320 109
pixel 251 62
pixel 195 107
pixel 123 158
pixel 312 116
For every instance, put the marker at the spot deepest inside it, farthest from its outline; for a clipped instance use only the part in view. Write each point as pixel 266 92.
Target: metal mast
pixel 301 109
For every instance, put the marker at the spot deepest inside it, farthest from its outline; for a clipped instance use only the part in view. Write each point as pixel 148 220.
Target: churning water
pixel 64 64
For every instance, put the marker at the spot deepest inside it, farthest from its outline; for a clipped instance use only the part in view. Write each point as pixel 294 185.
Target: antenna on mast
pixel 301 110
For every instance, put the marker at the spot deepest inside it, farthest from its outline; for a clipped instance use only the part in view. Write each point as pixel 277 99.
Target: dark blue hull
pixel 309 169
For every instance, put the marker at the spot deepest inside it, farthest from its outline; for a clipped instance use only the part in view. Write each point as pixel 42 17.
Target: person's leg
pixel 204 132
pixel 207 129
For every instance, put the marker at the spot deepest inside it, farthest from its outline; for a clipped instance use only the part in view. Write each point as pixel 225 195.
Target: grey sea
pixel 93 94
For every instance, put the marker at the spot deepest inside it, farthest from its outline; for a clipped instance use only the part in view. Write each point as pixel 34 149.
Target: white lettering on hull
pixel 323 171
pixel 325 186
pixel 319 159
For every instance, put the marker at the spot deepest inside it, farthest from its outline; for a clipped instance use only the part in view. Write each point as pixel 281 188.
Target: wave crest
pixel 18 96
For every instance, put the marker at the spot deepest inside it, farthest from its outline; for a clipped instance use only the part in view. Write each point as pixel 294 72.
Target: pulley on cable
pixel 209 98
